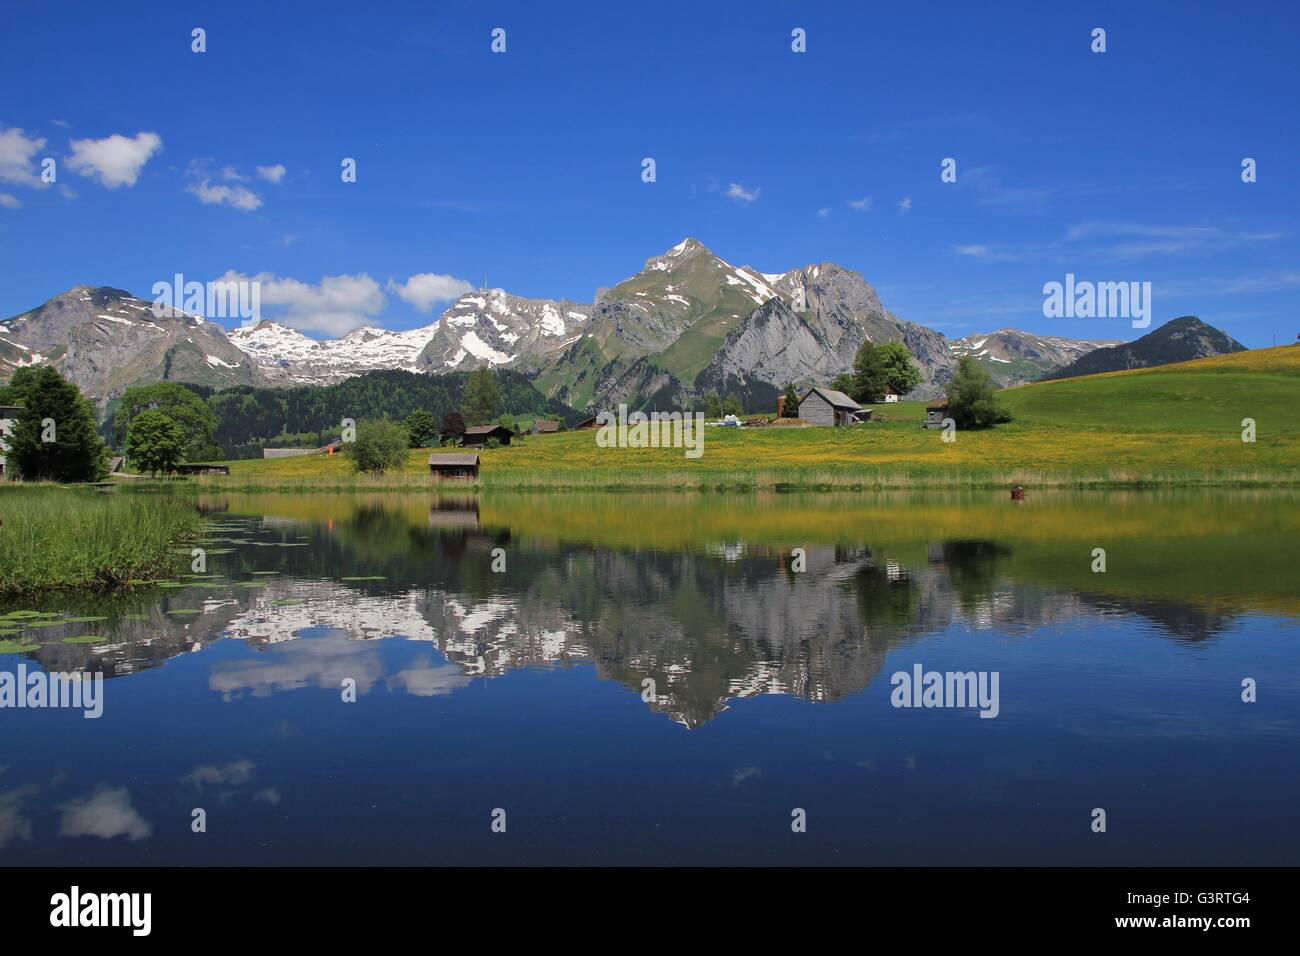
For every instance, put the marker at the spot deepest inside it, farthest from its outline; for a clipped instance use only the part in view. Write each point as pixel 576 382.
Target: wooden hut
pixel 543 427
pixel 478 435
pixel 825 406
pixel 458 464
pixel 935 413
pixel 586 423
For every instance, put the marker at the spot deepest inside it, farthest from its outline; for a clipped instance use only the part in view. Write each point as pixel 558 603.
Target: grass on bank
pixel 53 537
pixel 1173 425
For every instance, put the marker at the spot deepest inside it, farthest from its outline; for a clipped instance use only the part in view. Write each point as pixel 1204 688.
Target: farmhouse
pixel 543 427
pixel 935 413
pixel 8 419
pixel 586 423
pixel 453 464
pixel 477 435
pixel 825 406
pixel 891 394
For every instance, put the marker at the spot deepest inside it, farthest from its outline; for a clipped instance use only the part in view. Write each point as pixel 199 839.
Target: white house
pixel 8 419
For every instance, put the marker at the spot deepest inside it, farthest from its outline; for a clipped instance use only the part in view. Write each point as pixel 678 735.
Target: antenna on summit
pixel 485 285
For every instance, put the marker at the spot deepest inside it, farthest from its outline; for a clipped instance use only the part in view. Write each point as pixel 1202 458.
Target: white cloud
pixel 236 773
pixel 904 204
pixel 272 174
pixel 741 194
pixel 861 205
pixel 232 174
pixel 9 201
pixel 427 288
pixel 115 160
pixel 336 306
pixel 240 197
pixel 824 212
pixel 16 154
pixel 106 814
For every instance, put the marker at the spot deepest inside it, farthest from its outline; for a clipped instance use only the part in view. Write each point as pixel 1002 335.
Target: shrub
pixel 379 446
pixel 970 397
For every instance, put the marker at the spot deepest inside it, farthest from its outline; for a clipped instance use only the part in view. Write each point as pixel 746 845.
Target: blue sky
pixel 526 166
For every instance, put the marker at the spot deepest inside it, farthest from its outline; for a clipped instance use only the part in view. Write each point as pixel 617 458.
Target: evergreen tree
pixel 482 396
pixel 731 405
pixel 422 428
pixel 55 437
pixel 791 401
pixel 870 377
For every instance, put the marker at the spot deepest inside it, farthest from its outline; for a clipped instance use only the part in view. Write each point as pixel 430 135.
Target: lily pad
pixel 186 610
pixel 17 647
pixel 85 639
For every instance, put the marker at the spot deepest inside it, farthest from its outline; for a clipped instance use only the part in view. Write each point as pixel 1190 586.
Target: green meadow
pixel 1177 425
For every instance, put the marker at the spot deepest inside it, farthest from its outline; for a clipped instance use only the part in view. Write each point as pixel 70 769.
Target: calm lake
pixel 679 679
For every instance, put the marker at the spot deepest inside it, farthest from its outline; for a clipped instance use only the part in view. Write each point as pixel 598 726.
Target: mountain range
pixel 1179 340
pixel 689 322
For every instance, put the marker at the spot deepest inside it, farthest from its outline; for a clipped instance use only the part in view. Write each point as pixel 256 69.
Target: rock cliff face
pixel 105 340
pixel 493 327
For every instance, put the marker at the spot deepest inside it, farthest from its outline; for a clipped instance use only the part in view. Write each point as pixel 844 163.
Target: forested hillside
pixel 250 418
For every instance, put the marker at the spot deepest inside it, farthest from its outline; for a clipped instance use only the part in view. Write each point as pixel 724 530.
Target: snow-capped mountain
pixel 105 340
pixel 1013 357
pixel 285 356
pixel 689 322
pixel 493 327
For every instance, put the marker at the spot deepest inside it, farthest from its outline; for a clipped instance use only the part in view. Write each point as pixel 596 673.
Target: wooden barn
pixel 825 406
pixel 458 464
pixel 935 413
pixel 543 427
pixel 478 435
pixel 586 423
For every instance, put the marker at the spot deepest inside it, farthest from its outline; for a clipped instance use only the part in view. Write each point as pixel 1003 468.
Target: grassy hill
pixel 1174 425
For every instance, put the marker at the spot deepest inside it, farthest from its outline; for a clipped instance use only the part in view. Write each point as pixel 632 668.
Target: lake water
pixel 771 698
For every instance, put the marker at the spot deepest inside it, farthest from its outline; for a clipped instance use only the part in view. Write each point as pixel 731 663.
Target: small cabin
pixel 825 406
pixel 935 413
pixel 891 394
pixel 444 464
pixel 478 435
pixel 543 427
pixel 586 423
